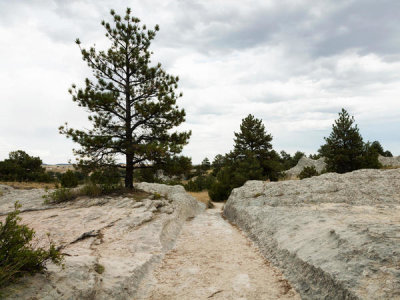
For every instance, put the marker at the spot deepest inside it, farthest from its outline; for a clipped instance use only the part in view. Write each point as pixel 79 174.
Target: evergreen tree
pixel 217 164
pixel 252 137
pixel 344 147
pixel 205 164
pixel 132 105
pixel 251 159
pixel 253 141
pixel 20 166
pixel 376 146
pixel 369 158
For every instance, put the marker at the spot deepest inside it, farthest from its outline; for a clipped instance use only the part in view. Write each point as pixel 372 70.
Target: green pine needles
pixel 131 103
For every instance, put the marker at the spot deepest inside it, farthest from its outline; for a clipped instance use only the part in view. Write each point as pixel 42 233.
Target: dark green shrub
pixel 219 191
pixel 60 195
pixel 22 167
pixel 200 183
pixel 17 257
pixel 69 179
pixel 369 160
pixel 235 173
pixel 308 172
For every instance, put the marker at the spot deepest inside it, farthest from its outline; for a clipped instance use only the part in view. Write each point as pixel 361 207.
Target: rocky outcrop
pixel 334 236
pixel 110 243
pixel 389 161
pixel 319 165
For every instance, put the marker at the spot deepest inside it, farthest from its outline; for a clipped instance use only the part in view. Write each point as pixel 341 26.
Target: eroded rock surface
pixel 319 165
pixel 389 161
pixel 334 236
pixel 127 237
pixel 213 260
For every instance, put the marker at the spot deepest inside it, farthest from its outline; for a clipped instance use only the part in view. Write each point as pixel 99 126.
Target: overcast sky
pixel 292 63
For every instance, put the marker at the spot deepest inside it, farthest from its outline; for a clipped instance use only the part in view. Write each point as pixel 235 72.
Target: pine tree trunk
pixel 129 172
pixel 129 155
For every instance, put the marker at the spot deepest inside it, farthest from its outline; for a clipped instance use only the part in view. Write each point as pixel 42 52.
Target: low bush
pixel 69 179
pixel 90 190
pixel 308 172
pixel 17 257
pixel 60 195
pixel 200 183
pixel 219 191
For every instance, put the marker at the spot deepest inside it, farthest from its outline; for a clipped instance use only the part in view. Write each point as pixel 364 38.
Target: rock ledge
pixel 334 236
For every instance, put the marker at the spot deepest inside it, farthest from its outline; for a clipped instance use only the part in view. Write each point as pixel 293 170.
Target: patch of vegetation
pixel 252 158
pixel 98 268
pixel 200 183
pixel 91 190
pixel 69 179
pixel 345 150
pixel 17 257
pixel 308 172
pixel 157 196
pixel 60 195
pixel 22 167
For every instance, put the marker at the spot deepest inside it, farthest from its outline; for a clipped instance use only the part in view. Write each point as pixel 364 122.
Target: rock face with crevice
pixel 126 237
pixel 334 236
pixel 318 164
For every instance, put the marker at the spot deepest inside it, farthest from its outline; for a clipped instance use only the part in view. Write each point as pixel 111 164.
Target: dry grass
pixel 203 198
pixel 389 167
pixel 59 168
pixel 29 185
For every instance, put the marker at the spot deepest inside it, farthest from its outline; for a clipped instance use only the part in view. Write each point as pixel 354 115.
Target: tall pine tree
pixel 132 104
pixel 344 147
pixel 252 137
pixel 253 141
pixel 251 159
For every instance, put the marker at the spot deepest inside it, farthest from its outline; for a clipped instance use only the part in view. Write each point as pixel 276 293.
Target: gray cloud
pixel 293 65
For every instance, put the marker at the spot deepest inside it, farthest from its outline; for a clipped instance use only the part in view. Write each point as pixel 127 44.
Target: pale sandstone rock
pixel 389 161
pixel 319 165
pixel 128 239
pixel 334 236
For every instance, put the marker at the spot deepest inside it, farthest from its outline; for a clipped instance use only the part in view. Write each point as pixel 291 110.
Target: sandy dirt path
pixel 214 260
